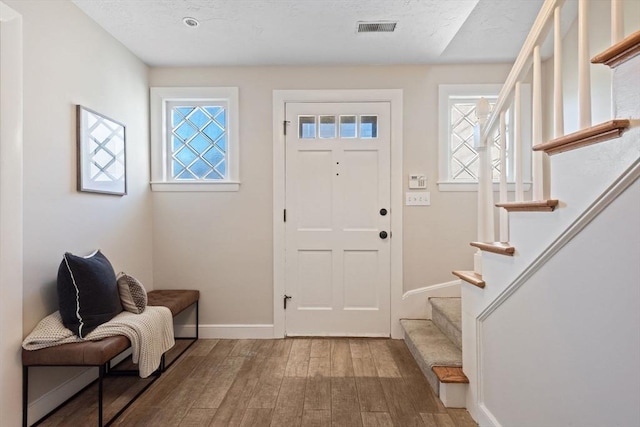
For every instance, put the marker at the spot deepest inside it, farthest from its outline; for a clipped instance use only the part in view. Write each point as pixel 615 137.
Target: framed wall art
pixel 101 153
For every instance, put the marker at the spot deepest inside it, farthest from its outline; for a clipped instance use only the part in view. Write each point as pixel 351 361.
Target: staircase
pixel 519 299
pixel 437 347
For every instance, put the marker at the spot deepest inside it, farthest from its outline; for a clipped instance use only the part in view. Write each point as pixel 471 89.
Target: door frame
pixel 11 221
pixel 280 99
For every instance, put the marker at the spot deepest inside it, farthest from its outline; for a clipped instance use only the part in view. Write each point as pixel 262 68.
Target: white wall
pixel 224 248
pixel 564 349
pixel 69 60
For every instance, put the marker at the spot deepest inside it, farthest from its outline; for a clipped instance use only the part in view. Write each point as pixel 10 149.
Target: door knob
pixel 383 234
pixel 383 211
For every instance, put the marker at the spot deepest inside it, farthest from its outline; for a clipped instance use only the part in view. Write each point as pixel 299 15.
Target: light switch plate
pixel 418 198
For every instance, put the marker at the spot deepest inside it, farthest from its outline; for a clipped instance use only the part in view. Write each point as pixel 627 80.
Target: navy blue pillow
pixel 87 292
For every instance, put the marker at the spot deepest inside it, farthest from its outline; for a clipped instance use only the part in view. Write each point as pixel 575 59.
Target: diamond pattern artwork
pixel 464 159
pixel 198 143
pixel 101 153
pixel 106 149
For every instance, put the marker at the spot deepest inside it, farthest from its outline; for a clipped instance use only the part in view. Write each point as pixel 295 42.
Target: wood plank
pixel 202 348
pixel 243 348
pixel 256 417
pixel 266 393
pixel 341 363
pixel 450 374
pixel 363 364
pixel 501 248
pixel 404 360
pixel 376 419
pixel 316 418
pixel 318 393
pixel 383 359
pixel 530 206
pixel 197 417
pixel 438 420
pixel 216 389
pixel 290 403
pixel 422 396
pixel 461 417
pixel 319 367
pixel 370 395
pixel 592 135
pixel 470 277
pixel 345 408
pixel 398 400
pixel 298 363
pixel 281 348
pixel 320 348
pixel 232 409
pixel 627 48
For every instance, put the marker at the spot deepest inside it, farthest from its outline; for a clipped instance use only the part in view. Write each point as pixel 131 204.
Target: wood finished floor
pixel 286 382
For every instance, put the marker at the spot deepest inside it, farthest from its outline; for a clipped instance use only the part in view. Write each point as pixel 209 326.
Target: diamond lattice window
pixel 464 159
pixel 198 143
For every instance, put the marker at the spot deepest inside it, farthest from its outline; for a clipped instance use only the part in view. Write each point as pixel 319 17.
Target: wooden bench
pixel 100 353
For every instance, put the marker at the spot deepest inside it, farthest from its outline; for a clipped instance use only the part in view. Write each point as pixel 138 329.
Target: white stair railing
pixel 510 99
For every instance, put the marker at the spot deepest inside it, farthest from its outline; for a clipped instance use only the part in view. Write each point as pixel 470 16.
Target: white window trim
pixel 445 92
pixel 159 97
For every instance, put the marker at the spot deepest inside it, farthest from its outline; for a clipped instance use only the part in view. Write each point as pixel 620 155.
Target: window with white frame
pixel 194 139
pixel 458 157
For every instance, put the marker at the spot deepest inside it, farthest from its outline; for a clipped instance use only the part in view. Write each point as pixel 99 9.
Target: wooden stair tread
pixel 531 206
pixel 470 277
pixel 620 52
pixel 502 248
pixel 594 134
pixel 450 374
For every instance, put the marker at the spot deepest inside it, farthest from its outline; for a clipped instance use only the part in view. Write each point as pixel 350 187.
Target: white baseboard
pixel 54 398
pixel 228 331
pixel 415 302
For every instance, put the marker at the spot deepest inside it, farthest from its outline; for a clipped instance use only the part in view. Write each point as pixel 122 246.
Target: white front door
pixel 338 219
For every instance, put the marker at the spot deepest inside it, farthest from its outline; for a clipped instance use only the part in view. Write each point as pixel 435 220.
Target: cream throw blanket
pixel 150 333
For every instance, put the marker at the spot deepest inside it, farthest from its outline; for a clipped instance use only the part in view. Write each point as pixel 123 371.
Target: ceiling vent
pixel 376 27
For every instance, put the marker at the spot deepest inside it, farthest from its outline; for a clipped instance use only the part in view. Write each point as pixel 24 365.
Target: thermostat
pixel 417 181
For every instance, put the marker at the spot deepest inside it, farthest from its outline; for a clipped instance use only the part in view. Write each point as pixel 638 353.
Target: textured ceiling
pixel 315 32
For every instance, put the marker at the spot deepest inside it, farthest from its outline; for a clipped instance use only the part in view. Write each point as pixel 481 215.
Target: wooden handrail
pixel 539 31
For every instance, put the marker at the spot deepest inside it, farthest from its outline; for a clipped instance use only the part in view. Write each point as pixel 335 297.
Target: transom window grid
pixel 198 141
pixel 338 126
pixel 464 158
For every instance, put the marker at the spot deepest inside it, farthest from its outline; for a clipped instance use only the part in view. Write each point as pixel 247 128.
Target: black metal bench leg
pixel 101 373
pixel 25 395
pixel 197 319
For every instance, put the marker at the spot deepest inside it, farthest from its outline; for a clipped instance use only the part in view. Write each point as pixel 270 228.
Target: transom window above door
pixel 338 127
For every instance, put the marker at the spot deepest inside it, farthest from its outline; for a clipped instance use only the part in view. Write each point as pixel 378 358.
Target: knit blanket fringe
pixel 150 334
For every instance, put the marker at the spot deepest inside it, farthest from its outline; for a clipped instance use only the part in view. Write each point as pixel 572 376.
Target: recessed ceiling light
pixel 190 22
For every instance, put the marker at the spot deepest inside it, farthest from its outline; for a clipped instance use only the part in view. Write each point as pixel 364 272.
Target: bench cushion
pixel 88 353
pixel 175 300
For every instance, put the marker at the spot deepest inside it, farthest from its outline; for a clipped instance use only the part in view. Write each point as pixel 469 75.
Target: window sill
pixel 195 186
pixel 473 186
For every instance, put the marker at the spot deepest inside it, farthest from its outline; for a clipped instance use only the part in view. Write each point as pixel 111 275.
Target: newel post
pixel 485 188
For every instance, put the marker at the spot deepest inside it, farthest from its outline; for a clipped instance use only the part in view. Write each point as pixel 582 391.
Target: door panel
pixel 337 180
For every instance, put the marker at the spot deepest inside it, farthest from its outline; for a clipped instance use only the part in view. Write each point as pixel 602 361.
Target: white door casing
pixel 337 264
pixel 280 99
